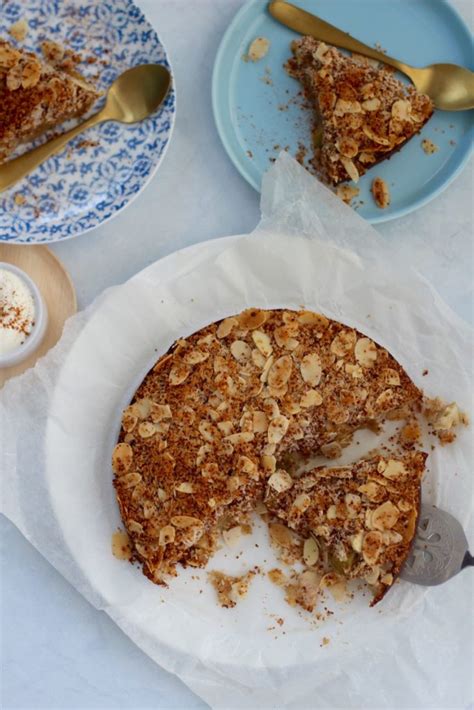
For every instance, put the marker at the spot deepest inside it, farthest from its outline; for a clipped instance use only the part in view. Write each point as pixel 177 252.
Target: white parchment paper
pixel 59 423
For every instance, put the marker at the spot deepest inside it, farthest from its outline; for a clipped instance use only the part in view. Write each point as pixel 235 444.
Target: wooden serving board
pixel 56 288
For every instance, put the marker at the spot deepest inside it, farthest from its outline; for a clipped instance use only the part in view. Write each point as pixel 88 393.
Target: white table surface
pixel 57 651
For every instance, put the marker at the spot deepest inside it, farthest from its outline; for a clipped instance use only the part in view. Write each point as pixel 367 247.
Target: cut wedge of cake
pixel 36 96
pixel 362 517
pixel 363 113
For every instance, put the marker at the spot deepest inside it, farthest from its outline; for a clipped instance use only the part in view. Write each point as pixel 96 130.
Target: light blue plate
pixel 257 115
pixel 101 171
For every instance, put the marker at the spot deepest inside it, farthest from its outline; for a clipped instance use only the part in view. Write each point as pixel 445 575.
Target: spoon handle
pixel 15 169
pixel 307 24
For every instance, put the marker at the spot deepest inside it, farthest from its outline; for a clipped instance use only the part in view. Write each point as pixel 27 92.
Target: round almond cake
pixel 213 428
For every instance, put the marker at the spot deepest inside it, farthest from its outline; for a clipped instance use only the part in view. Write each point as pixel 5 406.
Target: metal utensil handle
pixel 307 24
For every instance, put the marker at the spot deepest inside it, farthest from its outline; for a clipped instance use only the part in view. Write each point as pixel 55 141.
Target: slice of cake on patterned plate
pixel 36 95
pixel 363 113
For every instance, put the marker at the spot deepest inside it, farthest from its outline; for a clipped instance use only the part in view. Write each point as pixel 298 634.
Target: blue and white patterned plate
pixel 82 187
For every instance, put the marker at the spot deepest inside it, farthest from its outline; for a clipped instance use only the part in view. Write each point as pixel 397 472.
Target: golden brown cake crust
pixel 215 417
pixel 365 113
pixel 35 96
pixel 364 515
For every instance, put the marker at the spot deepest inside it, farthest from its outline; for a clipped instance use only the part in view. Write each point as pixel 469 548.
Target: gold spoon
pixel 449 86
pixel 134 95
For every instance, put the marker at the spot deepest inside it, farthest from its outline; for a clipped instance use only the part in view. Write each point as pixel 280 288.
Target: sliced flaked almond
pixel 311 318
pixel 371 490
pixel 271 407
pixel 268 463
pixel 185 521
pixel 240 351
pixel 280 481
pixel 401 110
pixel 226 427
pixel 194 357
pixel 387 579
pixel 391 537
pixel 348 147
pixel 356 541
pixel 185 487
pixel 141 408
pixel 310 552
pixel 353 504
pixel 277 429
pixel 146 430
pixel 331 513
pixel 225 327
pixel 206 340
pixel 343 343
pixel 266 369
pixel 372 576
pixel 246 465
pixel 202 453
pixel 391 377
pixel 234 483
pixel 262 342
pixel 149 509
pixel 404 505
pixel 354 370
pixel 258 49
pixel 252 318
pixel 350 168
pixel 385 400
pixel 280 372
pixel 260 422
pixel 311 369
pixel 394 470
pixel 365 352
pixel 242 437
pixel 281 535
pixel 232 536
pixel 371 104
pixel 122 458
pixel 167 535
pixel 301 503
pixel 134 527
pixel 284 337
pixel 258 359
pixel 385 516
pixel 374 136
pixel 206 430
pixel 372 547
pixel 179 373
pixel 311 398
pixel 342 107
pixel 129 422
pixel 130 480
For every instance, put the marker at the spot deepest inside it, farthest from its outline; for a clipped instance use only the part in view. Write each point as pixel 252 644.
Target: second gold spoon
pixel 449 86
pixel 134 95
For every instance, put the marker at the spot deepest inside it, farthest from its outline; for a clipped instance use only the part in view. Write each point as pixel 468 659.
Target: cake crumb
pixel 429 147
pixel 19 30
pixel 347 193
pixel 230 589
pixel 380 192
pixel 19 199
pixel 325 641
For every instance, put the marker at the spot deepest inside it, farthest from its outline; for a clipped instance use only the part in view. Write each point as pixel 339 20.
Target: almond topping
pixel 262 342
pixel 311 370
pixel 365 352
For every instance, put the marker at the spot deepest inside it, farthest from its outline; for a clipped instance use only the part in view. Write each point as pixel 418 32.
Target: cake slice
pixel 363 113
pixel 362 517
pixel 35 95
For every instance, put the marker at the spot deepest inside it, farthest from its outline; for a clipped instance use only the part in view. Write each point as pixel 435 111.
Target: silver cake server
pixel 440 549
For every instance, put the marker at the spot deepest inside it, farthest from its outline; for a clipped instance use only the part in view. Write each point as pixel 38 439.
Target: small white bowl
pixel 34 339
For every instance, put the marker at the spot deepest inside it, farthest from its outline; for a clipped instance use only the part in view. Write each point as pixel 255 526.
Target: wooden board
pixel 56 288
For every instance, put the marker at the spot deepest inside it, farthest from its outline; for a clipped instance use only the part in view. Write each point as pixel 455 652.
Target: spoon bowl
pixel 450 86
pixel 134 95
pixel 137 93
